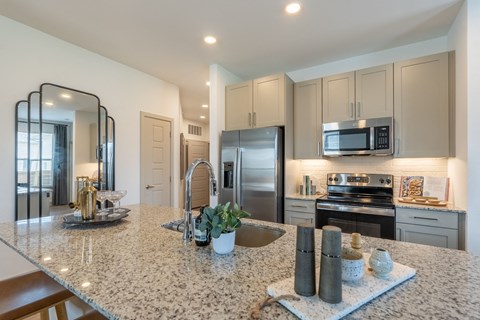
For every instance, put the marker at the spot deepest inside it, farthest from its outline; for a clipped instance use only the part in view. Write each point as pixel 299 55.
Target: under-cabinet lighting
pixel 293 8
pixel 207 83
pixel 204 105
pixel 202 117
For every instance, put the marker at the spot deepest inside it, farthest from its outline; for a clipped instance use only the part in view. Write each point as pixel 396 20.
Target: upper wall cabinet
pixel 257 103
pixel 422 107
pixel 307 119
pixel 357 95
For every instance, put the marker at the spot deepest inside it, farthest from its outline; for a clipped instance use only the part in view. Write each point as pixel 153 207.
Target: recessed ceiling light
pixel 292 8
pixel 49 103
pixel 202 117
pixel 65 95
pixel 210 39
pixel 207 83
pixel 204 105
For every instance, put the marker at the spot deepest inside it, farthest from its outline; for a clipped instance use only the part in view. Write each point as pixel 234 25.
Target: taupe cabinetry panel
pixel 433 228
pixel 307 119
pixel 258 103
pixel 238 106
pixel 357 95
pixel 300 211
pixel 422 107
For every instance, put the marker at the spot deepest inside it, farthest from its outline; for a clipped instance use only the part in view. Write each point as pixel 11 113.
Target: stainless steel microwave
pixel 360 137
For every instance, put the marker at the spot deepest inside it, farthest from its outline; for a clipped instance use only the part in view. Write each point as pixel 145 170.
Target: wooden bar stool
pixel 92 315
pixel 30 294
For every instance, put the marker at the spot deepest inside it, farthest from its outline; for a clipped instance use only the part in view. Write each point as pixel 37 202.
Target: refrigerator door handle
pixel 238 184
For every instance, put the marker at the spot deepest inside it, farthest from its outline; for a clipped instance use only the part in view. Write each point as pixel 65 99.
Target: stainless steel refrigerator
pixel 251 171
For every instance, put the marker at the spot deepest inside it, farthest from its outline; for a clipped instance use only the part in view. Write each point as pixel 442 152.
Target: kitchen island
pixel 135 269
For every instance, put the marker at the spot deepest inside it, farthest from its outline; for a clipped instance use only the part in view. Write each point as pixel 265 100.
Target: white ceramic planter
pixel 225 243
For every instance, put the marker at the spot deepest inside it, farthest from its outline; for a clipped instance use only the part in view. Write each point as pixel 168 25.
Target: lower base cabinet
pixel 300 212
pixel 434 228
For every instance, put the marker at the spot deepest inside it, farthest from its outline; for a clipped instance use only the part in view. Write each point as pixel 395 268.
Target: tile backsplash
pixel 318 169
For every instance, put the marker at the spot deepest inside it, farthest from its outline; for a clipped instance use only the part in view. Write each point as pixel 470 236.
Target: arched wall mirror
pixel 61 133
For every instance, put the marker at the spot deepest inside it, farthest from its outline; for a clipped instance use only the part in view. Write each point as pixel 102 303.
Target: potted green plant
pixel 221 223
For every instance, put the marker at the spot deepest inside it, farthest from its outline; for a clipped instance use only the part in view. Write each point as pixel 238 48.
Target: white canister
pixel 381 263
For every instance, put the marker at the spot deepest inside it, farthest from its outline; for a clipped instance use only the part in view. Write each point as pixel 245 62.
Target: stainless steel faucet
pixel 187 214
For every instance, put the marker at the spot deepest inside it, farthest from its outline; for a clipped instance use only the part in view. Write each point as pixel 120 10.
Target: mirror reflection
pixel 62 133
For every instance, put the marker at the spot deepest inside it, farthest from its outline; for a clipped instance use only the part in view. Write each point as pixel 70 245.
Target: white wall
pixel 205 130
pixel 29 58
pixel 406 52
pixel 219 78
pixel 473 103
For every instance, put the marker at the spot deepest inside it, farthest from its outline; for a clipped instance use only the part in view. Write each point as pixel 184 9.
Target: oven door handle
pixel 357 209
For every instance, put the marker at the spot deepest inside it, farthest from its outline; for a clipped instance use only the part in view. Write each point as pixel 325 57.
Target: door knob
pixel 149 186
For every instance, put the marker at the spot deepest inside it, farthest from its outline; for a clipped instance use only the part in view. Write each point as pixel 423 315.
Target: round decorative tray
pixel 120 213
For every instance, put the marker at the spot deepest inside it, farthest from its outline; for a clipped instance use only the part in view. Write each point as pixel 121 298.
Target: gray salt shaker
pixel 305 261
pixel 331 265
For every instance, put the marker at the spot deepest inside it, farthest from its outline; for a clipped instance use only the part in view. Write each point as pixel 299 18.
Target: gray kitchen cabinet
pixel 238 106
pixel 258 103
pixel 358 95
pixel 300 211
pixel 435 228
pixel 422 107
pixel 307 119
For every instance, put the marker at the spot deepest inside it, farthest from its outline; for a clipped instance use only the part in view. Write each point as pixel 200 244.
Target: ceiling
pixel 164 38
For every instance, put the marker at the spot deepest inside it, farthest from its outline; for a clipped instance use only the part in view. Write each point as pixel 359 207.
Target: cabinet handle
pixel 319 148
pixel 351 110
pixel 249 119
pixel 254 119
pixel 298 206
pixel 423 218
pixel 148 186
pixel 397 146
pixel 358 109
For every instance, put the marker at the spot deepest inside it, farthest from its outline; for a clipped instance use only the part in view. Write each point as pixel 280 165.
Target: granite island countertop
pixel 136 269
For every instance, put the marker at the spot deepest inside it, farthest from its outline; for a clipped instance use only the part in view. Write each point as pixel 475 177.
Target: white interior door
pixel 200 179
pixel 155 160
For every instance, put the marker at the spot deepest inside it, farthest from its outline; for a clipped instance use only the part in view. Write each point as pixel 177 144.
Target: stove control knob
pixel 330 179
pixel 389 181
pixel 382 180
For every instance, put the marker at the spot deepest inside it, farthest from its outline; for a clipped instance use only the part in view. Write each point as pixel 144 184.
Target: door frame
pixel 144 115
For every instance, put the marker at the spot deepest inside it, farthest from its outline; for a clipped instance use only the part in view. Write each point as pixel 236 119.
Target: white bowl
pixel 352 265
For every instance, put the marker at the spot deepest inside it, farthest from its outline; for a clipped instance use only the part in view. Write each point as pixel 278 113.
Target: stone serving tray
pixel 354 294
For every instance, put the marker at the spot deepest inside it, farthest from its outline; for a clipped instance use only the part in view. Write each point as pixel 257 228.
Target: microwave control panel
pixel 382 137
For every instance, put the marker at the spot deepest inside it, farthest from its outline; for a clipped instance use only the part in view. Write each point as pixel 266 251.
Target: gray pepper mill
pixel 305 284
pixel 331 265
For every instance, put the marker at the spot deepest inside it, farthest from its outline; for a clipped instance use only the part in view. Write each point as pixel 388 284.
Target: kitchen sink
pixel 248 235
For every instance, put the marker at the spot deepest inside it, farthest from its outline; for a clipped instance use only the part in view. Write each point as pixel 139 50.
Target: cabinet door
pixel 374 92
pixel 269 101
pixel 296 218
pixel 422 107
pixel 238 106
pixel 307 119
pixel 339 97
pixel 438 237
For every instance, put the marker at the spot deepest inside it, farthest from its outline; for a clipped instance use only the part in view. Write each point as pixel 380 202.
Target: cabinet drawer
pixel 438 237
pixel 296 218
pixel 307 206
pixel 427 218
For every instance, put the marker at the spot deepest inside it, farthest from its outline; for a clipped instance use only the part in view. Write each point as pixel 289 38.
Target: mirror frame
pixel 101 164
